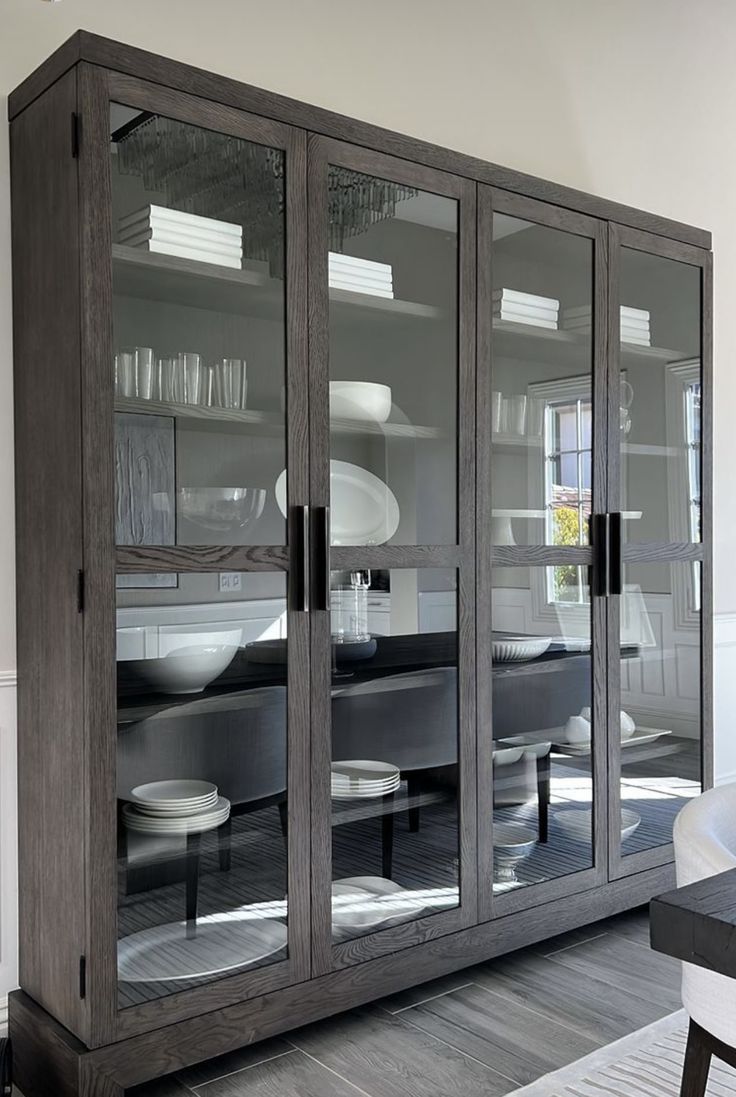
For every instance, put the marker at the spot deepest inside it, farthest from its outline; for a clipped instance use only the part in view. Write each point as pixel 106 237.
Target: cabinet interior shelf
pixel 268 422
pixel 555 345
pixel 153 276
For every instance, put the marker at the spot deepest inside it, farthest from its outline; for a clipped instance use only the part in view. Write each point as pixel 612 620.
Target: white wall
pixel 632 100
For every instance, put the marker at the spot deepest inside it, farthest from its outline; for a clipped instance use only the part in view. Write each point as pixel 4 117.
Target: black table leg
pixel 284 817
pixel 387 836
pixel 413 790
pixel 544 768
pixel 224 837
pixel 192 882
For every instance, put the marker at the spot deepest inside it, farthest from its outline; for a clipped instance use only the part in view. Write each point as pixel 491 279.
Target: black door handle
pixel 599 544
pixel 321 558
pixel 299 538
pixel 615 560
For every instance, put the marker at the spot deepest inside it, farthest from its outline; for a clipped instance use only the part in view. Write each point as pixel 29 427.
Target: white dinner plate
pixel 174 794
pixel 181 824
pixel 363 902
pixel 165 953
pixel 359 769
pixel 363 509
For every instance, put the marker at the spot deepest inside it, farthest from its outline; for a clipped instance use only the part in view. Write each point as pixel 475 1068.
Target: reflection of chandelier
pixel 228 178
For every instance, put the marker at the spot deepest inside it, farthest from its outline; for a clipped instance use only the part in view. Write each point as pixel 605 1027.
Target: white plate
pixel 361 902
pixel 183 824
pixel 362 795
pixel 364 787
pixel 165 953
pixel 363 510
pixel 175 793
pixel 637 739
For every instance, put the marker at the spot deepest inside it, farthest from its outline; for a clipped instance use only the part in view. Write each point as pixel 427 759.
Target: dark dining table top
pixel 697 923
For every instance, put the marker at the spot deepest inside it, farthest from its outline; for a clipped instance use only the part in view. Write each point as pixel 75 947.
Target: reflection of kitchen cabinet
pixel 208 608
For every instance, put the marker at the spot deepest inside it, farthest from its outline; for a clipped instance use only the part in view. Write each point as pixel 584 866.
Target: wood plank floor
pixel 481 1033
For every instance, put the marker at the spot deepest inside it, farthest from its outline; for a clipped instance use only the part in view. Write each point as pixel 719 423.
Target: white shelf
pixel 517 340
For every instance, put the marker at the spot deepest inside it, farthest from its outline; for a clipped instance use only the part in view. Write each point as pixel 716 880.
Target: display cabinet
pixel 363 518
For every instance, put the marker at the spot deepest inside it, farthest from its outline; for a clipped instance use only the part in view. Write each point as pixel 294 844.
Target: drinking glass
pixel 230 385
pixel 125 383
pixel 189 372
pixel 169 378
pixel 145 373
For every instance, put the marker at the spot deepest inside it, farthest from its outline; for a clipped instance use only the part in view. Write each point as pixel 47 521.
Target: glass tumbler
pixel 230 385
pixel 349 611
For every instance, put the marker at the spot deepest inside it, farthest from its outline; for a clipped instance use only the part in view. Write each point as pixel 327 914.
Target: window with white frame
pixel 568 436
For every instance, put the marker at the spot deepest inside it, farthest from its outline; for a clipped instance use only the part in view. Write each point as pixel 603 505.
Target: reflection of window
pixel 692 441
pixel 683 480
pixel 567 479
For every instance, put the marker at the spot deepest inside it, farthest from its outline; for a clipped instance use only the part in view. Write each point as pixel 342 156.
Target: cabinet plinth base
pixel 51 1062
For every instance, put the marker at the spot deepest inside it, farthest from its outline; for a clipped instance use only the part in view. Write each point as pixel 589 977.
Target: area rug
pixel 647 1063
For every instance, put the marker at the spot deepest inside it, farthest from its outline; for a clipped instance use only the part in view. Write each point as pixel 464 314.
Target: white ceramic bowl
pixel 577 729
pixel 578 823
pixel 515 649
pixel 362 400
pixel 192 660
pixel 221 509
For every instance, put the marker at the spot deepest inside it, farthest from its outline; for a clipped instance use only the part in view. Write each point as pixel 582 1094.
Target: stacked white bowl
pixel 175 807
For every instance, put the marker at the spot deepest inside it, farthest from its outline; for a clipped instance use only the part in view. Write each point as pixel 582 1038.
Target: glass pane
pixel 660 398
pixel 201 781
pixel 542 429
pixel 393 272
pixel 198 327
pixel 660 699
pixel 395 796
pixel 542 725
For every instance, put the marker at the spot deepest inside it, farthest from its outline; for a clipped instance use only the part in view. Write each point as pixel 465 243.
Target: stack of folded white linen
pixel 525 308
pixel 360 275
pixel 185 235
pixel 635 326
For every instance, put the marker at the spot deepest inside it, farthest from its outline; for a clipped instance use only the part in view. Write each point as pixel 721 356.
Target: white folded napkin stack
pixel 525 308
pixel 360 275
pixel 635 326
pixel 185 235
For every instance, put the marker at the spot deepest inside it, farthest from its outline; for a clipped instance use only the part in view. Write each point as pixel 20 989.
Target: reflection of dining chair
pixel 520 773
pixel 705 844
pixel 409 720
pixel 236 741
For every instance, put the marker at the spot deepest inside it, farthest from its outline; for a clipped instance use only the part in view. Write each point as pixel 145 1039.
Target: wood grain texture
pixel 519 556
pixel 628 966
pixel 141 559
pixel 294 1075
pixel 46 1057
pixel 136 62
pixel 656 551
pixel 51 800
pixel 389 1057
pixel 697 923
pixel 385 557
pixel 147 1056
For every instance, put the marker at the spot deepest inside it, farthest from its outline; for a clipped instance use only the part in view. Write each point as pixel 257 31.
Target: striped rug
pixel 648 1063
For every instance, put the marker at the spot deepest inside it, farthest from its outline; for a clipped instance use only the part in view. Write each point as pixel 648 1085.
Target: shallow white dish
pixel 360 902
pixel 223 510
pixel 173 794
pixel 165 953
pixel 578 823
pixel 360 400
pixel 359 769
pixel 195 822
pixel 193 660
pixel 639 738
pixel 363 510
pixel 517 649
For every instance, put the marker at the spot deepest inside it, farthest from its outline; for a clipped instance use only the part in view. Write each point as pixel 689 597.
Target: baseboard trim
pixel 3 1013
pixel 8 678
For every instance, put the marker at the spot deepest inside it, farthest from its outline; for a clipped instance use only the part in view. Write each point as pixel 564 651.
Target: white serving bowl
pixel 192 661
pixel 515 649
pixel 221 509
pixel 578 823
pixel 362 400
pixel 577 729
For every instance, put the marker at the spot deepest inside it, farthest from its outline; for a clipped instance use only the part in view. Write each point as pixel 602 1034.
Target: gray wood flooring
pixel 481 1033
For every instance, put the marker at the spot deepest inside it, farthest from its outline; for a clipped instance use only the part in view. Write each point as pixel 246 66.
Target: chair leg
pixel 413 788
pixel 387 836
pixel 225 838
pixel 543 780
pixel 697 1063
pixel 192 882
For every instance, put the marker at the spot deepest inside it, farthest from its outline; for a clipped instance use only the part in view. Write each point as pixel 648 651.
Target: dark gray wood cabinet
pixel 364 561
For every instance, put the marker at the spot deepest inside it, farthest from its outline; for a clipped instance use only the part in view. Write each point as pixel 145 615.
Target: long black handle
pixel 599 582
pixel 615 565
pixel 321 558
pixel 299 537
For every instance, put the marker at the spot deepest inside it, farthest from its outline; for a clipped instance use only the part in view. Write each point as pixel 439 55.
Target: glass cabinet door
pixel 658 422
pixel 541 429
pixel 212 653
pixel 392 314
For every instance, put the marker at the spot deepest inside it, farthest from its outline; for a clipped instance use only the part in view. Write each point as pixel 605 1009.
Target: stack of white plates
pixel 171 232
pixel 360 275
pixel 358 779
pixel 635 323
pixel 175 807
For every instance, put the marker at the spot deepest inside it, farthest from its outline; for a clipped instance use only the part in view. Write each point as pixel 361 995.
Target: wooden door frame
pixel 460 556
pixel 97 88
pixel 621 236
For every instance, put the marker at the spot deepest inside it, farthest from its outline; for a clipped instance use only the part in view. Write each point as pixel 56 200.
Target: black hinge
pixel 80 591
pixel 82 976
pixel 75 134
